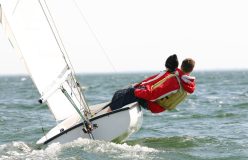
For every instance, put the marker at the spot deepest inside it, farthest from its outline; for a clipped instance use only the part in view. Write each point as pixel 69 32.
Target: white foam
pixel 2 147
pixel 22 146
pixel 20 150
pixel 111 145
pixel 116 150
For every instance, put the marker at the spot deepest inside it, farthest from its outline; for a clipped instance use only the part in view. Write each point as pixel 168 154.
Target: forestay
pixel 27 26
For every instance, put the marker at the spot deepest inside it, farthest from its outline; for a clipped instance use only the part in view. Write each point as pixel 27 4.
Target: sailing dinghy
pixel 32 32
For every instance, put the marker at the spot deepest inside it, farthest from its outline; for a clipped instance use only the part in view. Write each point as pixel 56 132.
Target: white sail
pixel 29 32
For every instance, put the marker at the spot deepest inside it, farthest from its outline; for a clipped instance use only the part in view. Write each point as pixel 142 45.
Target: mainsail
pixel 32 34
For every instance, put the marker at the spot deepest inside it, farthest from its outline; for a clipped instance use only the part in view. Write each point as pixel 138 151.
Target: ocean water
pixel 212 124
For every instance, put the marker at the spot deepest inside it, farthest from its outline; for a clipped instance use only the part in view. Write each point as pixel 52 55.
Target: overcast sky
pixel 138 35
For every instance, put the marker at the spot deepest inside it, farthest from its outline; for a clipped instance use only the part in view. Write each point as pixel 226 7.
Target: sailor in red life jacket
pixel 160 92
pixel 168 90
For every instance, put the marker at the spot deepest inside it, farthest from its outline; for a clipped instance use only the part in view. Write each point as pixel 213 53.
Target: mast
pixel 88 127
pixel 63 50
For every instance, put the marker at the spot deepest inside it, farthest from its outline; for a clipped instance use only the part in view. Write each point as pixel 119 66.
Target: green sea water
pixel 212 124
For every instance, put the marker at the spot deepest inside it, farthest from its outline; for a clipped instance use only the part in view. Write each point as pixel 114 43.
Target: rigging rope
pixel 64 53
pixel 68 62
pixel 42 128
pixel 94 35
pixel 58 39
pixel 16 6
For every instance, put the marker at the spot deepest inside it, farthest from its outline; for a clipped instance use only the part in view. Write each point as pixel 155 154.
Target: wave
pixel 79 149
pixel 113 150
pixel 21 150
pixel 241 105
pixel 174 142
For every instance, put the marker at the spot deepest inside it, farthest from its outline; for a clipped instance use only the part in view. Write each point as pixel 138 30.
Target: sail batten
pixel 32 36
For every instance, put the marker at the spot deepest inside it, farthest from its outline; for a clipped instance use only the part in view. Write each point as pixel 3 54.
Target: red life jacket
pixel 160 86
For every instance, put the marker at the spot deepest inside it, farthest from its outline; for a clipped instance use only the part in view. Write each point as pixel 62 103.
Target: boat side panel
pixel 110 126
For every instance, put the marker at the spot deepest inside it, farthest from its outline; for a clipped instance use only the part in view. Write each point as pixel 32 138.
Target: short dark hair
pixel 188 65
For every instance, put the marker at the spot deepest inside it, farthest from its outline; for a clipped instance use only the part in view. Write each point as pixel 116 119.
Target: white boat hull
pixel 113 126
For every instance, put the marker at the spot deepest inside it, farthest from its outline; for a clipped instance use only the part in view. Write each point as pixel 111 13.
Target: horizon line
pixel 133 72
